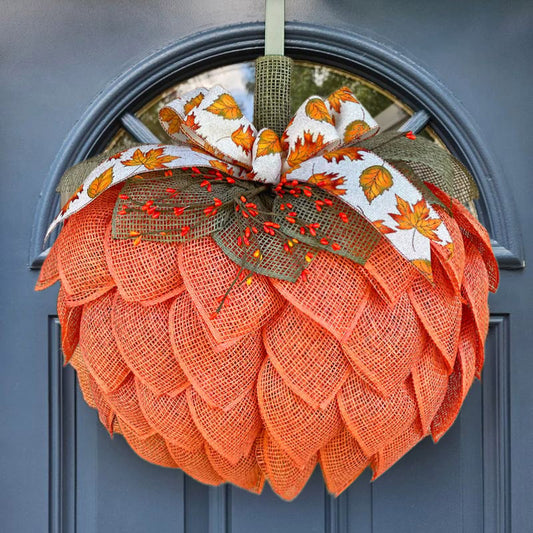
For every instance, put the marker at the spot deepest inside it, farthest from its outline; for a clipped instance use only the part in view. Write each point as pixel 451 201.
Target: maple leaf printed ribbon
pixel 319 146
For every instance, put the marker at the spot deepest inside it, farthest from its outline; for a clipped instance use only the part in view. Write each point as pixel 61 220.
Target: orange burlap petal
pixel 170 417
pixel 286 479
pixel 125 403
pixel 69 319
pixel 98 346
pixel 81 255
pixel 333 294
pixel 147 272
pixel 245 473
pixel 152 448
pixel 195 463
pixel 307 357
pixel 397 448
pixel 388 272
pixel 143 339
pixel 386 342
pixel 451 258
pixel 372 419
pixel 230 432
pixel 474 232
pixel 222 377
pixel 342 461
pixel 475 289
pixel 208 273
pixel 439 308
pixel 459 381
pixel 299 429
pixel 84 377
pixel 49 273
pixel 430 380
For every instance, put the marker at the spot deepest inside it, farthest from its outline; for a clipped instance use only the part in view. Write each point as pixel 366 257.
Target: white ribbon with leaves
pixel 319 146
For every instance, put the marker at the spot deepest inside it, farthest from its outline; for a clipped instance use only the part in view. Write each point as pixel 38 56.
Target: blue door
pixel 59 470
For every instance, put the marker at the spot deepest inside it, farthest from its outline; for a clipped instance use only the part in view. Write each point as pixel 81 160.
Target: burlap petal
pixel 81 255
pixel 152 448
pixel 147 272
pixel 247 307
pixel 307 357
pixel 245 473
pixel 143 339
pixel 69 319
pixel 386 342
pixel 125 403
pixel 230 432
pixel 342 461
pixel 98 345
pixel 439 309
pixel 223 376
pixel 195 463
pixel 430 380
pixel 333 295
pixel 372 419
pixel 170 417
pixel 299 429
pixel 286 479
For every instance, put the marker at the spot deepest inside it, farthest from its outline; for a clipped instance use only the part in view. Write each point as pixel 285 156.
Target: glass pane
pixel 308 79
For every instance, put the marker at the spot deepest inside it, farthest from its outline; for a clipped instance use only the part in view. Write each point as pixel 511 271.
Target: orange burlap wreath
pixel 348 367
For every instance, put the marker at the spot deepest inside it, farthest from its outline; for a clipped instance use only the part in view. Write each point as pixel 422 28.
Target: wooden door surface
pixel 463 67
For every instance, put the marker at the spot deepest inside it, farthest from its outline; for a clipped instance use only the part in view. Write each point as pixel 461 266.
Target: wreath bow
pixel 319 147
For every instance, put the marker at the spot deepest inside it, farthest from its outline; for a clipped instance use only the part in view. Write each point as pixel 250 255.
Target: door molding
pixel 345 50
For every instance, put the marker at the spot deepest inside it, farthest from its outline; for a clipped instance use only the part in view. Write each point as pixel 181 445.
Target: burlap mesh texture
pixel 272 92
pixel 253 368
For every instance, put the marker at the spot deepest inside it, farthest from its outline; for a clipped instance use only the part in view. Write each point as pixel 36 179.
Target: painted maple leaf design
pixel 268 143
pixel 226 107
pixel 100 183
pixel 151 160
pixel 330 181
pixel 416 217
pixel 382 228
pixel 244 138
pixel 172 119
pixel 349 152
pixel 305 148
pixel 341 95
pixel 195 101
pixel 75 196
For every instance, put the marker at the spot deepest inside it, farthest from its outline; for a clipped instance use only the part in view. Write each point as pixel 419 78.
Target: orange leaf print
pixel 375 180
pixel 244 139
pixel 285 137
pixel 173 120
pixel 305 148
pixel 268 143
pixel 417 218
pixel 349 152
pixel 355 129
pixel 317 110
pixel 328 181
pixel 226 107
pixel 195 101
pixel 220 165
pixel 151 160
pixel 382 228
pixel 100 183
pixel 75 196
pixel 424 266
pixel 190 122
pixel 341 95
